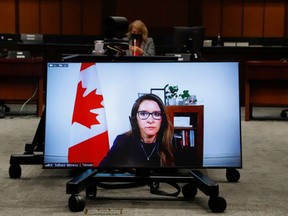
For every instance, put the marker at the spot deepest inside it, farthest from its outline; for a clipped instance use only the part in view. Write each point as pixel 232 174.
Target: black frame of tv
pixel 93 58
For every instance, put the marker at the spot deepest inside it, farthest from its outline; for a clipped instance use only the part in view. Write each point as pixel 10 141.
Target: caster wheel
pixel 76 203
pixel 217 204
pixel 232 175
pixel 7 109
pixel 189 191
pixel 283 114
pixel 15 171
pixel 91 192
pixel 155 185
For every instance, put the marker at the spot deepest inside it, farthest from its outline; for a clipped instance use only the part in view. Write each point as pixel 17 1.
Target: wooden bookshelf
pixel 188 138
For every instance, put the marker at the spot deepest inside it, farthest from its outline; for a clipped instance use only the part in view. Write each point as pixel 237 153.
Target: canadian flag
pixel 89 135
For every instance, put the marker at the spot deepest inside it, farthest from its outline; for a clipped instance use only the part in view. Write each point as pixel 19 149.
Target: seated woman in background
pixel 139 42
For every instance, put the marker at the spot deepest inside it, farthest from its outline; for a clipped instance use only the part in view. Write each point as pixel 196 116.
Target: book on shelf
pixel 184 138
pixel 191 138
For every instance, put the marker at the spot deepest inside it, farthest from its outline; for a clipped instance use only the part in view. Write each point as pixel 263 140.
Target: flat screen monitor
pixel 91 105
pixel 188 39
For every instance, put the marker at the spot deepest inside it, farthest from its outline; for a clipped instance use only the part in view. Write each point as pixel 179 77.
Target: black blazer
pixel 128 152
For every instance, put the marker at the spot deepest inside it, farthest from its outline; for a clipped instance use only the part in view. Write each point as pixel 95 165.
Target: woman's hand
pixel 136 49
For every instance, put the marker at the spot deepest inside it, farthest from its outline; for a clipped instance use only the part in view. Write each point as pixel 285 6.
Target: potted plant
pixel 172 94
pixel 187 98
pixel 185 95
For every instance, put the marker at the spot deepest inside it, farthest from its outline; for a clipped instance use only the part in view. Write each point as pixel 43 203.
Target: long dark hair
pixel 165 134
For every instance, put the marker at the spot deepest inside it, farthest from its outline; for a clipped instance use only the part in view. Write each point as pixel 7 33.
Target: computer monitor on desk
pixel 188 39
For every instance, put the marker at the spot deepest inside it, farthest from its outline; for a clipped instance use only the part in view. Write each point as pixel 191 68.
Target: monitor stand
pixel 93 178
pixel 90 179
pixel 33 153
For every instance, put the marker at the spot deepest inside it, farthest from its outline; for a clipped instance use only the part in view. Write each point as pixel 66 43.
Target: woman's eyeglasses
pixel 143 115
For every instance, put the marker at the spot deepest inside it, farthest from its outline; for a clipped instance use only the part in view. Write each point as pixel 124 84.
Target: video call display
pixel 89 104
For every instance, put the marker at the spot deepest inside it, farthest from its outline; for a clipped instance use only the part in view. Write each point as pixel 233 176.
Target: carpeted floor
pixel 262 188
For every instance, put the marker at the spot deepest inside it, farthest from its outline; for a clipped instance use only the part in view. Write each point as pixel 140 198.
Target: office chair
pixel 115 30
pixel 115 27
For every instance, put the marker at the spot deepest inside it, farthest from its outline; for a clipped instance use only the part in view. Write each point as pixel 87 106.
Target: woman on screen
pixel 149 142
pixel 139 42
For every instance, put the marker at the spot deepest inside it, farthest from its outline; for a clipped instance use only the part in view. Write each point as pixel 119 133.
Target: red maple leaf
pixel 83 106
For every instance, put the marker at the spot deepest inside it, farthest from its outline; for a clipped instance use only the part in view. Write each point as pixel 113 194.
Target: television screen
pixel 124 115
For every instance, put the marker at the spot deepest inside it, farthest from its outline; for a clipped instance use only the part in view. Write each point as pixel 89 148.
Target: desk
pixel 53 51
pixel 266 84
pixel 18 78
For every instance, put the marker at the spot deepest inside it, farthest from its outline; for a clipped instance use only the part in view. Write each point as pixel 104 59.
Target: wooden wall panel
pixel 274 20
pixel 71 17
pixel 253 18
pixel 92 17
pixel 29 16
pixel 232 18
pixel 211 17
pixel 162 14
pixel 7 21
pixel 50 17
pixel 195 13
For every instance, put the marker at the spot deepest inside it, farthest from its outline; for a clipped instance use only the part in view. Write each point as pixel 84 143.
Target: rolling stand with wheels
pixel 91 179
pixel 29 157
